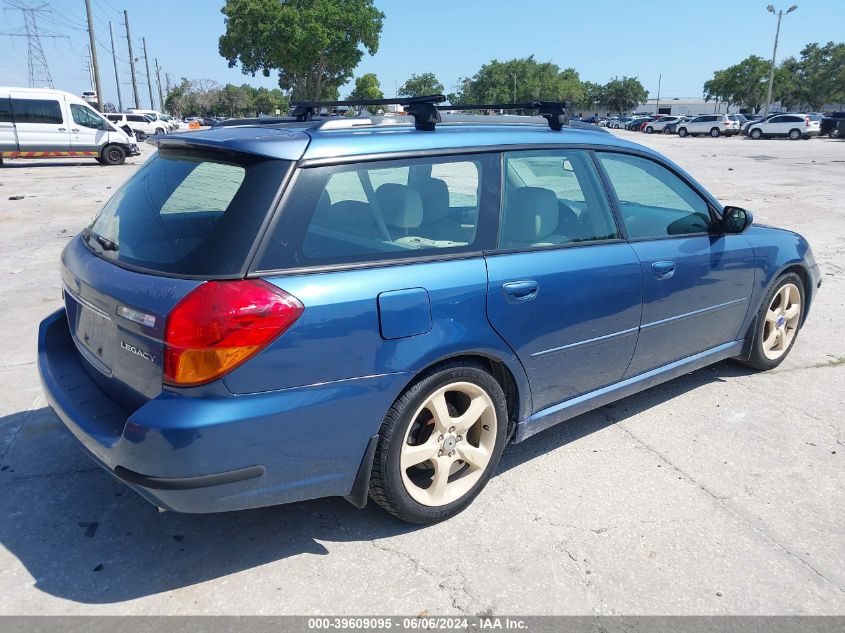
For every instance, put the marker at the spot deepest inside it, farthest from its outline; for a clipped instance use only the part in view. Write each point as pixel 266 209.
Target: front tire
pixel 715 132
pixel 159 131
pixel 439 444
pixel 777 324
pixel 113 155
pixel 756 134
pixel 682 132
pixel 649 130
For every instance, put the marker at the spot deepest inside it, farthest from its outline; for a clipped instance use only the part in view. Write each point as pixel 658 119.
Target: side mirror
pixel 736 219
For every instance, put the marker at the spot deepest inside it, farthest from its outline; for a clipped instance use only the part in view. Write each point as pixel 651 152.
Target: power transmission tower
pixel 131 61
pixel 94 63
pixel 158 81
pixel 116 74
pixel 149 83
pixel 37 70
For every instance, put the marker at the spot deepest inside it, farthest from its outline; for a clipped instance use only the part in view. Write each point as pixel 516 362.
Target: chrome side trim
pixel 587 342
pixel 694 313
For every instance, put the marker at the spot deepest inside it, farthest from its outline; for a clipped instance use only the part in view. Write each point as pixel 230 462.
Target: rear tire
pixel 795 134
pixel 649 130
pixel 433 456
pixel 682 132
pixel 778 322
pixel 113 155
pixel 715 132
pixel 159 131
pixel 834 133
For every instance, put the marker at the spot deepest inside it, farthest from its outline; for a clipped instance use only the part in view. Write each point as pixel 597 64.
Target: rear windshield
pixel 188 213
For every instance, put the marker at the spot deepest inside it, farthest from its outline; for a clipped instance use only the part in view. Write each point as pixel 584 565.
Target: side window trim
pixel 712 209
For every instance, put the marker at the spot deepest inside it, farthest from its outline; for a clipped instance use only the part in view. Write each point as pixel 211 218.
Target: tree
pixel 314 45
pixel 419 85
pixel 593 96
pixel 624 94
pixel 519 80
pixel 745 83
pixel 787 86
pixel 268 101
pixel 367 87
pixel 821 73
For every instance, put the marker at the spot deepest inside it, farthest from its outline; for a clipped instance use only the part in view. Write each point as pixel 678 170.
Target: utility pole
pixel 158 81
pixel 131 61
pixel 149 83
pixel 780 14
pixel 94 63
pixel 116 74
pixel 657 106
pixel 167 79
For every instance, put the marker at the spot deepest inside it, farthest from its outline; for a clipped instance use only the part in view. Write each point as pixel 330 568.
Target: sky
pixel 684 41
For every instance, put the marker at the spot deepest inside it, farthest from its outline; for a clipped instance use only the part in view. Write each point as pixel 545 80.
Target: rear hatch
pixel 186 216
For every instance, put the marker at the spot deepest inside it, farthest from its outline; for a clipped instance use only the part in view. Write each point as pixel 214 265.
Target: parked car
pixel 90 97
pixel 714 125
pixel 793 126
pixel 634 124
pixel 738 121
pixel 620 122
pixel 332 308
pixel 672 127
pixel 45 123
pixel 163 125
pixel 757 119
pixel 658 124
pixel 142 125
pixel 828 125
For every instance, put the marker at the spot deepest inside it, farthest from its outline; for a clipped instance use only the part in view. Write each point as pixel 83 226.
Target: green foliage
pixel 419 85
pixel 816 78
pixel 313 44
pixel 744 83
pixel 623 94
pixel 367 87
pixel 519 80
pixel 821 73
pixel 593 96
pixel 204 97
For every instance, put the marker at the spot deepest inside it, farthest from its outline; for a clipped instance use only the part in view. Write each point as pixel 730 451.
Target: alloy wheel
pixel 448 444
pixel 781 323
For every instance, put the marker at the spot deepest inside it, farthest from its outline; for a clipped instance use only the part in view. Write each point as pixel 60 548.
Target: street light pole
pixel 771 9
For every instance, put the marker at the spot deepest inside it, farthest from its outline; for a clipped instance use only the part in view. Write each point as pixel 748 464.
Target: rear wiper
pixel 105 243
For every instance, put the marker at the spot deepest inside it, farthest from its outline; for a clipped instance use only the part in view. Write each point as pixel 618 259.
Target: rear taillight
pixel 220 324
pixel 806 121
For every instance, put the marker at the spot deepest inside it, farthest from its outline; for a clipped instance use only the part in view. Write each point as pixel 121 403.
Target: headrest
pixel 347 212
pixel 435 199
pixel 401 205
pixel 531 213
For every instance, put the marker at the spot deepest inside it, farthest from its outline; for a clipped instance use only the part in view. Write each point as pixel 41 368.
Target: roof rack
pixel 423 108
pixel 553 111
pixel 426 109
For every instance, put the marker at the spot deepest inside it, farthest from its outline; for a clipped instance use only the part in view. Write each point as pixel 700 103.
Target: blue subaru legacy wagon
pixel 369 308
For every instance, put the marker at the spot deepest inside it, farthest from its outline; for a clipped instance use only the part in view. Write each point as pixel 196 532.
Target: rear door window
pixel 46 111
pixel 553 198
pixel 386 210
pixel 188 213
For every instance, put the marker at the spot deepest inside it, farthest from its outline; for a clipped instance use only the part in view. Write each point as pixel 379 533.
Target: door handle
pixel 62 129
pixel 663 270
pixel 519 291
pixel 74 129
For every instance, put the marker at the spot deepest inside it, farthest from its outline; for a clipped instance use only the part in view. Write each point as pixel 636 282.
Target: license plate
pixel 94 333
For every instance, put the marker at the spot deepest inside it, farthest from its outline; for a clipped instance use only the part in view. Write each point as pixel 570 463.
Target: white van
pixel 137 122
pixel 42 123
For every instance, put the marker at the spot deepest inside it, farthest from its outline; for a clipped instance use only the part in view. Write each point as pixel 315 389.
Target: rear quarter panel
pixel 339 335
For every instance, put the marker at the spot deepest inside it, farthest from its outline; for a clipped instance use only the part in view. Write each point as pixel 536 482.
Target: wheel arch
pixel 508 373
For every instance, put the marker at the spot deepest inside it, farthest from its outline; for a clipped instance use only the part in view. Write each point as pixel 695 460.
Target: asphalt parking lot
pixel 722 492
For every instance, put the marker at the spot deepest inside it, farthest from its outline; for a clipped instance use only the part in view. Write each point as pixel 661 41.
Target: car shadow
pixel 84 536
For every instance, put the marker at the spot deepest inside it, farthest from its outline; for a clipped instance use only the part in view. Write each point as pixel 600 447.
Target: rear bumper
pixel 210 451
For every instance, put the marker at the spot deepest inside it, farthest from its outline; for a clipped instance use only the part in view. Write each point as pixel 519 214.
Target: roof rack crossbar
pixel 422 108
pixel 553 111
